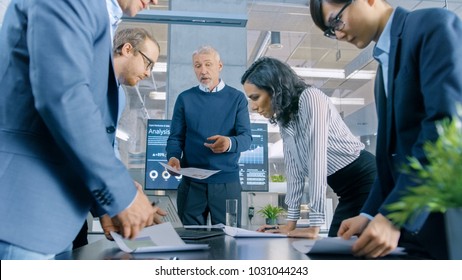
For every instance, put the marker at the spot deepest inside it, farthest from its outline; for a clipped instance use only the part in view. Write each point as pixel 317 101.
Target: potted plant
pixel 270 213
pixel 439 186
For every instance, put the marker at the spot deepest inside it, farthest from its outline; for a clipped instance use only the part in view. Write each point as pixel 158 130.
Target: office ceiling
pixel 303 46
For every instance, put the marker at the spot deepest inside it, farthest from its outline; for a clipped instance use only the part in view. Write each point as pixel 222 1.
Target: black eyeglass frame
pixel 150 64
pixel 336 24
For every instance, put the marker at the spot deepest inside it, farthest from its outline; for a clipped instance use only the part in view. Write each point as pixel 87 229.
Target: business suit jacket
pixel 424 85
pixel 57 122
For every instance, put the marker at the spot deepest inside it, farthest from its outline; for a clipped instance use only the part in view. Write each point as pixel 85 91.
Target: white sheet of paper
pixel 196 173
pixel 331 245
pixel 239 232
pixel 156 238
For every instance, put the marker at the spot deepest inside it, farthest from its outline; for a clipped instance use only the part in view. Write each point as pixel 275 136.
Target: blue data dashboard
pixel 253 163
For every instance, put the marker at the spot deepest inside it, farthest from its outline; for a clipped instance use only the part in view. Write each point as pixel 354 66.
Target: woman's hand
pixel 278 228
pixel 309 232
pixel 291 230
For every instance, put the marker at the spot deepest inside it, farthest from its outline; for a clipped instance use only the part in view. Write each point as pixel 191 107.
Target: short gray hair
pixel 206 50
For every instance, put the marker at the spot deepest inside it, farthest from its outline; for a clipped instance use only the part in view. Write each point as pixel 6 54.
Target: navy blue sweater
pixel 198 115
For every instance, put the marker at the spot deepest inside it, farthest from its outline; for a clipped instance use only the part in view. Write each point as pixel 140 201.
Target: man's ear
pixel 126 49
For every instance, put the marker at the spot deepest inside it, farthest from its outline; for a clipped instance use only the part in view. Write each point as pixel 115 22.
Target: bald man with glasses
pixel 418 83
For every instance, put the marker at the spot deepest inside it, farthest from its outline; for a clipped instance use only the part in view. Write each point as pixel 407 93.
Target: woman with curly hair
pixel 318 146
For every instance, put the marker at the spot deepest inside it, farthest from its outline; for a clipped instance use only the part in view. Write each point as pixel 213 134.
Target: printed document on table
pixel 196 173
pixel 332 245
pixel 239 232
pixel 156 238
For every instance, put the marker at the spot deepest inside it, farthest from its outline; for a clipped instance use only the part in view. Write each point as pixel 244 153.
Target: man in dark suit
pixel 418 83
pixel 58 110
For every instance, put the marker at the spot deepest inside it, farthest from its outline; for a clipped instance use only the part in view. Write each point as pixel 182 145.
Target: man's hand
pixel 175 163
pixel 378 239
pixel 352 226
pixel 140 214
pixel 108 225
pixel 220 144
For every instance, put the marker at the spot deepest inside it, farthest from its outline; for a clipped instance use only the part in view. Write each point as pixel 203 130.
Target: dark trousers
pixel 195 201
pixel 352 185
pixel 81 239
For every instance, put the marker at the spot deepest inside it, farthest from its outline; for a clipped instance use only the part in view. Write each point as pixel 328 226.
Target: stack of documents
pixel 156 238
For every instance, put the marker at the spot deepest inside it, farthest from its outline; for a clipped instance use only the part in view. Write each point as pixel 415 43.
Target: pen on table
pixel 270 228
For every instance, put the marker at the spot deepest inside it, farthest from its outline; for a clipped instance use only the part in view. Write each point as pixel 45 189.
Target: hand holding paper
pixel 196 173
pixel 157 238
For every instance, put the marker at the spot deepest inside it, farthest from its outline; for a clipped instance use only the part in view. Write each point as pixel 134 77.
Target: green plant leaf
pixel 270 212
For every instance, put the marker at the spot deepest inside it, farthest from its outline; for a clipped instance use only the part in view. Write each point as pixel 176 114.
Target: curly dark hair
pixel 283 85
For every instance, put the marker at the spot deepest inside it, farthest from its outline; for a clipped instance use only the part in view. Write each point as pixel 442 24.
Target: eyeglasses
pixel 336 24
pixel 149 63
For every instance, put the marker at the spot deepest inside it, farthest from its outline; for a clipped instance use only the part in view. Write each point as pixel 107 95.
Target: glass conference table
pixel 221 247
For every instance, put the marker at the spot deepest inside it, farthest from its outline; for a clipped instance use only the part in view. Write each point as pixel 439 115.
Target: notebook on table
pixel 164 202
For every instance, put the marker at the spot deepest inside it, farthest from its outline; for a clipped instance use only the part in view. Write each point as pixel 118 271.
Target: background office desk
pixel 221 248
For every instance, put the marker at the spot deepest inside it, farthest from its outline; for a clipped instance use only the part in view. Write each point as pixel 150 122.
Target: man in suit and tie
pixel 58 111
pixel 418 84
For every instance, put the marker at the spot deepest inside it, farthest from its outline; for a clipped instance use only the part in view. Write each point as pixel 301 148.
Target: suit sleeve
pixel 63 80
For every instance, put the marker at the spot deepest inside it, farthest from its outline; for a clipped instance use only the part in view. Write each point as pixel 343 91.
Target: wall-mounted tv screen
pixel 253 164
pixel 156 177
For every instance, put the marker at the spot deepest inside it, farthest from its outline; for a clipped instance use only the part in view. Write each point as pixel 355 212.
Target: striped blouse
pixel 317 143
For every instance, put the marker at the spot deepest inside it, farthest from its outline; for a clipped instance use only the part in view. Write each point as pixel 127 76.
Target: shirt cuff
pixel 230 144
pixel 316 219
pixel 367 216
pixel 293 214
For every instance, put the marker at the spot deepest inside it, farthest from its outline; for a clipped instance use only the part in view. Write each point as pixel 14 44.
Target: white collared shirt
pixel 219 87
pixel 382 51
pixel 115 15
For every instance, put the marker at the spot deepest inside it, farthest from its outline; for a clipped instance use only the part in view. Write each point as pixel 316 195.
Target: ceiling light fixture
pixel 333 73
pixel 189 17
pixel 275 42
pixel 157 95
pixel 347 101
pixel 160 67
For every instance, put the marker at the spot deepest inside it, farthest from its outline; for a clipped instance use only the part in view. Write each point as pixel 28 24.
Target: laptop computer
pixel 164 202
